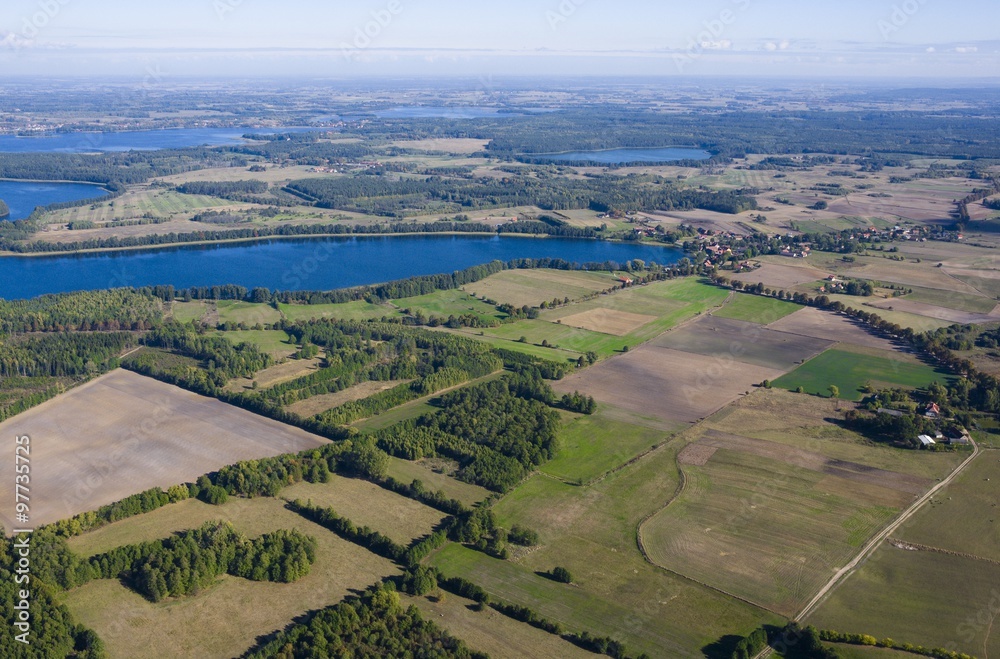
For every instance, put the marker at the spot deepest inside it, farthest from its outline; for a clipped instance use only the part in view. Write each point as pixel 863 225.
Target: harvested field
pixel 319 404
pixel 124 433
pixel 723 338
pixel 458 145
pixel 667 384
pixel 932 311
pixel 696 454
pixel 367 504
pixel 783 276
pixel 532 287
pixel 608 321
pixel 812 461
pixel 830 326
pixel 290 370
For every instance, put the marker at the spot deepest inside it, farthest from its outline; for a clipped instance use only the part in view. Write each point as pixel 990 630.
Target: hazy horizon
pixel 305 38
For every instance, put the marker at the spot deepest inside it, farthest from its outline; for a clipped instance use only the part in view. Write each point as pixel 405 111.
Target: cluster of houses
pixel 797 253
pixel 956 435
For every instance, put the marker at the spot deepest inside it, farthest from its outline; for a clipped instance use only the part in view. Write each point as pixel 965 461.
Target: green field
pixel 591 445
pixel 850 371
pixel 917 597
pixel 757 309
pixel 359 310
pixel 591 531
pixel 964 517
pixel 952 300
pixel 767 531
pixel 443 304
pixel 185 312
pixel 159 203
pixel 277 343
pixel 231 311
pixel 407 471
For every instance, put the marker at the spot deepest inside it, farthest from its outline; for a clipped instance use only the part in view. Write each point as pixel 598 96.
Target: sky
pixel 336 38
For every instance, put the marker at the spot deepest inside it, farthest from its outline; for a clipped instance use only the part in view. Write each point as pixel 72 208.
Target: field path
pixel 885 533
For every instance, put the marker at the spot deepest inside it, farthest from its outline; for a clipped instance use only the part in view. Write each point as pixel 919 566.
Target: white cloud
pixel 932 49
pixel 967 49
pixel 724 44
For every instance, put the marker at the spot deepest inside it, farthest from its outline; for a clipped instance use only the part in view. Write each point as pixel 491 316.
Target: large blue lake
pixel 619 156
pixel 143 140
pixel 23 196
pixel 307 264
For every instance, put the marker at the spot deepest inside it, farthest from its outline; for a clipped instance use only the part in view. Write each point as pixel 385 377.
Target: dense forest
pixel 380 195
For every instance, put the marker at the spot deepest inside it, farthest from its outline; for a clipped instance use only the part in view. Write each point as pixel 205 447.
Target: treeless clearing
pixel 830 326
pixel 668 384
pixel 293 368
pixel 607 321
pixel 367 504
pixel 696 454
pixel 224 620
pixel 723 338
pixel 319 404
pixel 459 145
pixel 124 433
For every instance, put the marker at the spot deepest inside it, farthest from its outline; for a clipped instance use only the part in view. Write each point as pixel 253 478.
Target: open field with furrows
pixel 763 529
pixel 757 309
pixel 367 504
pixel 359 310
pixel 492 632
pixel 783 275
pixel 225 620
pixel 670 385
pixel 157 202
pixel 449 303
pixel 703 219
pixel 532 287
pixel 950 316
pixel 319 404
pixel 831 327
pixel 289 370
pixel 850 371
pixel 591 531
pixel 124 433
pixel 590 445
pixel 935 600
pixel 277 343
pixel 436 475
pixel 965 516
pixel 724 339
pixel 901 318
pixel 953 300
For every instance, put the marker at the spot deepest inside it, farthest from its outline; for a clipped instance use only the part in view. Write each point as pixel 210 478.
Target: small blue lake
pixel 23 196
pixel 301 264
pixel 620 156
